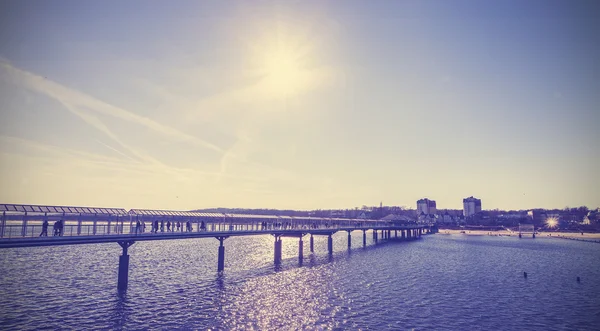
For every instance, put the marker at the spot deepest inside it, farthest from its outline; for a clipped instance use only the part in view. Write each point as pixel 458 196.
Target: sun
pixel 283 73
pixel 283 60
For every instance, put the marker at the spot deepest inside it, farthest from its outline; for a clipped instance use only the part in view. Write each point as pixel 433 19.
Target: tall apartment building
pixel 471 206
pixel 426 207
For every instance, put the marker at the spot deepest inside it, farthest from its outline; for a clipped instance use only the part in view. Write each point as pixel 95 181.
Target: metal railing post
pixel 24 228
pixel 95 223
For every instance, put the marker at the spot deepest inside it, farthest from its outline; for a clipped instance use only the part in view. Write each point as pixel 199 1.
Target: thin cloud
pixel 115 150
pixel 79 99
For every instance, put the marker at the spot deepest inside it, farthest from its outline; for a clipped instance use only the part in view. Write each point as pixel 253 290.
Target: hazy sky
pixel 300 104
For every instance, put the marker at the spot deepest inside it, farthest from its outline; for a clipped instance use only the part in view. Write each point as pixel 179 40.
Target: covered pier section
pixel 21 225
pixel 28 220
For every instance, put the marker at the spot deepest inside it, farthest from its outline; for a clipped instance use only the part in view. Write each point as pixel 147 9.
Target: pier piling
pixel 330 245
pixel 277 255
pixel 123 277
pixel 349 240
pixel 300 250
pixel 221 261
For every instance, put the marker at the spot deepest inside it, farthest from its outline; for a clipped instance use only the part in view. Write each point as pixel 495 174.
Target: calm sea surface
pixel 442 282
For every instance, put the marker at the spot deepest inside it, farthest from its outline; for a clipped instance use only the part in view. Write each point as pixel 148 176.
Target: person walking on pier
pixel 202 226
pixel 57 228
pixel 44 229
pixel 162 226
pixel 168 226
pixel 138 227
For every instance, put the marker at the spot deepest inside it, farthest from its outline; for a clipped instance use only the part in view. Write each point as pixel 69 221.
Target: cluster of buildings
pixel 472 214
pixel 427 210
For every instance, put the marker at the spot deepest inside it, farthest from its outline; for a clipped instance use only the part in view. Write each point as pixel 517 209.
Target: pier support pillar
pixel 364 238
pixel 330 245
pixel 312 244
pixel 277 255
pixel 349 240
pixel 300 250
pixel 221 260
pixel 402 233
pixel 396 234
pixel 375 235
pixel 123 277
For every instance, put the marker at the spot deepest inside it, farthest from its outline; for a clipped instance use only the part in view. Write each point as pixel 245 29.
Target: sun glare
pixel 282 57
pixel 551 222
pixel 283 73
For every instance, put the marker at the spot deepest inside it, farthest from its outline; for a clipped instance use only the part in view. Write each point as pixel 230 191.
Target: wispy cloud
pixel 76 99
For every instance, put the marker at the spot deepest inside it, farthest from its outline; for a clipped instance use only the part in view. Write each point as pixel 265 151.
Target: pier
pixel 22 226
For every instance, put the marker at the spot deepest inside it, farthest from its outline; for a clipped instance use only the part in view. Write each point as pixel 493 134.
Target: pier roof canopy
pixel 152 212
pixel 251 216
pixel 38 209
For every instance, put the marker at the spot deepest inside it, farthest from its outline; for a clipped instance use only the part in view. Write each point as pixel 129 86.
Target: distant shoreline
pixel 592 237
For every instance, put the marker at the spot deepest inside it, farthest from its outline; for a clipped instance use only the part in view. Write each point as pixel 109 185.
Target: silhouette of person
pixel 202 226
pixel 44 229
pixel 138 227
pixel 168 226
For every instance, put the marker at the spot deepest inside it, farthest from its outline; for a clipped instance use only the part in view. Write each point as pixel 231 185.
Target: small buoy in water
pixel 578 279
pixel 525 274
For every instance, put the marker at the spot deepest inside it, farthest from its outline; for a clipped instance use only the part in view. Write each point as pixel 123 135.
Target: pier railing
pixel 31 229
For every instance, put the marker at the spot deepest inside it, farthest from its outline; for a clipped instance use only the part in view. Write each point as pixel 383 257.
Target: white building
pixel 426 206
pixel 471 206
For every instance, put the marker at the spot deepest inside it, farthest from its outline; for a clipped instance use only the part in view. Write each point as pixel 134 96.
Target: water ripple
pixel 440 282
